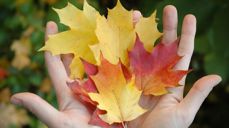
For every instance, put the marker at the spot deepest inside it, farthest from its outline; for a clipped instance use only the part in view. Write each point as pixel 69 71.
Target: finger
pixel 185 49
pixel 198 93
pixel 67 59
pixel 136 16
pixel 51 28
pixel 170 21
pixel 44 111
pixel 186 45
pixel 57 71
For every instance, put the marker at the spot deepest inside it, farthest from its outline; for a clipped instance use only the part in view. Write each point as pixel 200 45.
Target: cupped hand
pixel 168 111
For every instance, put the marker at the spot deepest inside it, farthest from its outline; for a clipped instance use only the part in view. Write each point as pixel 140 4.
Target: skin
pixel 168 111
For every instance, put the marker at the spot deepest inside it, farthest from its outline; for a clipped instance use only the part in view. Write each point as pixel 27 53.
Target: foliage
pixel 23 21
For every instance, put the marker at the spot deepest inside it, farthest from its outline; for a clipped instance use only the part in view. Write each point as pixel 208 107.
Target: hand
pixel 71 113
pixel 172 110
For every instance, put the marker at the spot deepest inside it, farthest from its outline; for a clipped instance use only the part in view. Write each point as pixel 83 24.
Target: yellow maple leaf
pixel 117 96
pixel 82 24
pixel 147 31
pixel 115 34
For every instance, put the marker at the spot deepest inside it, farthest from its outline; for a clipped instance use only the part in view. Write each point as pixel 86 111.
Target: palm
pixel 164 113
pixel 171 110
pixel 72 115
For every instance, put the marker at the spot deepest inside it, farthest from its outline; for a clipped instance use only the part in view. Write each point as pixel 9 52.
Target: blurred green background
pixel 22 67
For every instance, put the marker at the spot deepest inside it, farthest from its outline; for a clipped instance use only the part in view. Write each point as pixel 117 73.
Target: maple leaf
pixel 81 91
pixel 115 34
pixel 116 96
pixel 154 71
pixel 75 41
pixel 146 28
pixel 82 88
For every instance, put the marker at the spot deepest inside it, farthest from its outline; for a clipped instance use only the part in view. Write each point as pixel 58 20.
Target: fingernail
pixel 216 80
pixel 219 79
pixel 136 16
pixel 16 101
pixel 50 28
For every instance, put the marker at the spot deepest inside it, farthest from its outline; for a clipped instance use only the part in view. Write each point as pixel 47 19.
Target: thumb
pixel 198 93
pixel 43 110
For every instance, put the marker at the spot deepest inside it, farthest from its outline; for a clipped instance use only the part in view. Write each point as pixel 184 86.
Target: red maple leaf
pixel 154 71
pixel 81 89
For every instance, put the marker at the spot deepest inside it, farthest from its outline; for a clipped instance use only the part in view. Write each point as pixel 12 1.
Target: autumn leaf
pixel 154 71
pixel 82 24
pixel 115 34
pixel 147 31
pixel 45 86
pixel 22 49
pixel 5 95
pixel 3 73
pixel 12 116
pixel 81 90
pixel 117 96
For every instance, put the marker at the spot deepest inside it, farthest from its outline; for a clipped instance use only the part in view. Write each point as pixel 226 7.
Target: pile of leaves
pixel 120 61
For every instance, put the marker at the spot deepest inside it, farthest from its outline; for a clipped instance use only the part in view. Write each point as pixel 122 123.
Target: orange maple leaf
pixel 81 90
pixel 116 95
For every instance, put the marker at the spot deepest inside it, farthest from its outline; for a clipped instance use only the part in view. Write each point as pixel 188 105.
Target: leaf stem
pixel 124 125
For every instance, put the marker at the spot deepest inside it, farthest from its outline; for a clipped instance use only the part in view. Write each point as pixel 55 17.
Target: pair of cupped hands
pixel 172 110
